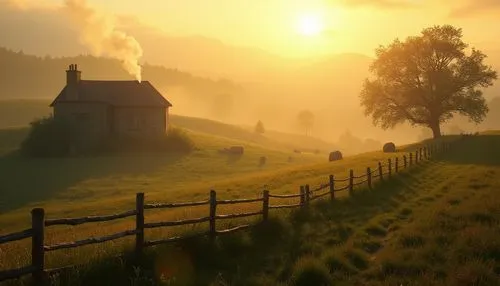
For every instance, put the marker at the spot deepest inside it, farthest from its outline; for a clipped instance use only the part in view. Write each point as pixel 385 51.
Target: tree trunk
pixel 436 130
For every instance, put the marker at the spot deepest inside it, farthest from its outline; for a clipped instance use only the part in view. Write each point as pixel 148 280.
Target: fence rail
pixel 39 223
pixel 16 236
pixel 87 219
pixel 175 205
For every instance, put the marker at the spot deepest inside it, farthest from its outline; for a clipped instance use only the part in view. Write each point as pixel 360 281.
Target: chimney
pixel 72 75
pixel 72 80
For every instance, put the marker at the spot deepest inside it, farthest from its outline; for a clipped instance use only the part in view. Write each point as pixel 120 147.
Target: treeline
pixel 28 76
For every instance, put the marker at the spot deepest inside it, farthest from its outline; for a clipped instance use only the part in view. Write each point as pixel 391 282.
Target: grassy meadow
pixel 387 236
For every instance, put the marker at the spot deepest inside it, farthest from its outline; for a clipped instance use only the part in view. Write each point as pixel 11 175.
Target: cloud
pixel 474 7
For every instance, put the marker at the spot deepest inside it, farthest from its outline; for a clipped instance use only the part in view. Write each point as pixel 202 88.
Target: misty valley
pixel 249 143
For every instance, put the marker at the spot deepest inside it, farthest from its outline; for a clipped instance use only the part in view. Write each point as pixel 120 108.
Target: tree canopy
pixel 306 120
pixel 426 80
pixel 259 127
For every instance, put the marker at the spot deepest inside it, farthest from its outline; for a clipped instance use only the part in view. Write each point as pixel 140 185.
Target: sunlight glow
pixel 310 24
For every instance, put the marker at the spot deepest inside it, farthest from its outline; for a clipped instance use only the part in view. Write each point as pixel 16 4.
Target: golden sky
pixel 357 26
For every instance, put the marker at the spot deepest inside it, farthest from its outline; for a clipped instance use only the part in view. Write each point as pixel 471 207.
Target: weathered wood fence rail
pixel 39 223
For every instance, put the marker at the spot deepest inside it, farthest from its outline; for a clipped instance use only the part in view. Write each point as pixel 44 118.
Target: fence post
pixel 332 187
pixel 411 158
pixel 213 209
pixel 380 171
pixel 420 154
pixel 405 161
pixel 265 205
pixel 396 165
pixel 37 241
pixel 302 196
pixel 351 181
pixel 389 168
pixel 308 194
pixel 416 157
pixel 139 224
pixel 425 153
pixel 369 177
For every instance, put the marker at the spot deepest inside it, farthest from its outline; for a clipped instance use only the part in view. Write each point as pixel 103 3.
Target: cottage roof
pixel 115 93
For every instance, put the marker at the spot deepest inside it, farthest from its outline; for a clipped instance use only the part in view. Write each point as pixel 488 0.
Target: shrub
pixel 48 137
pixel 177 140
pixel 312 272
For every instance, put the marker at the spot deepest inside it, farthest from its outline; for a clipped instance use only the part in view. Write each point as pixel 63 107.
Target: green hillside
pixel 20 112
pixel 74 187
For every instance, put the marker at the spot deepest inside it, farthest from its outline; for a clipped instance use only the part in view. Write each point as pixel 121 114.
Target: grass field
pixel 437 224
pixel 79 186
pixel 361 240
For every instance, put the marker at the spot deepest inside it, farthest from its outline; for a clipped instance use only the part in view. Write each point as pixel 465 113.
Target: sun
pixel 310 24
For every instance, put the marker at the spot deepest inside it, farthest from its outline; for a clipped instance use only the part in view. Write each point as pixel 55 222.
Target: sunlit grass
pixel 109 184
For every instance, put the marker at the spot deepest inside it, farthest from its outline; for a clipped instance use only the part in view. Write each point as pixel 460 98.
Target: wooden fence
pixel 306 195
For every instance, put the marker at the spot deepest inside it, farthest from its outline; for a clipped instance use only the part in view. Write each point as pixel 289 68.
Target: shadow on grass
pixel 364 203
pixel 231 259
pixel 476 150
pixel 262 255
pixel 11 138
pixel 26 180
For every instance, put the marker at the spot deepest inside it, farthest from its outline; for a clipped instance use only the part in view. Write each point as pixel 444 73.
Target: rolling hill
pixel 19 113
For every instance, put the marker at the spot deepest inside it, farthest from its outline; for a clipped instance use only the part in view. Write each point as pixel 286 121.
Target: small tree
pixel 306 120
pixel 259 128
pixel 426 80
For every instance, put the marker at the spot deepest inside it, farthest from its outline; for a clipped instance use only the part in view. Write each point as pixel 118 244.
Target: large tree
pixel 426 80
pixel 306 120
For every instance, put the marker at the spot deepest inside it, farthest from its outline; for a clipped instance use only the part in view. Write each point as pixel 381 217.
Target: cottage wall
pixel 149 121
pixel 88 120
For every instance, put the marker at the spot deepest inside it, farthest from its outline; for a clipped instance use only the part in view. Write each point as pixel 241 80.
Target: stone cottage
pixel 101 108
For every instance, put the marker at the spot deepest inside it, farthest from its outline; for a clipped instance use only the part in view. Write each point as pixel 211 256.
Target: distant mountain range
pixel 203 77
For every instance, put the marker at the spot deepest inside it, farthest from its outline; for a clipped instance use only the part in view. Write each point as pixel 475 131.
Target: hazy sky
pixel 347 25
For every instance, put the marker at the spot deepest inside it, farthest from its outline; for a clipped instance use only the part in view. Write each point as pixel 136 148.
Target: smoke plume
pixel 98 31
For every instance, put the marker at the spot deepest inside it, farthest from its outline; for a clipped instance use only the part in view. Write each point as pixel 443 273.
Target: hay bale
pixel 335 156
pixel 262 160
pixel 236 150
pixel 389 147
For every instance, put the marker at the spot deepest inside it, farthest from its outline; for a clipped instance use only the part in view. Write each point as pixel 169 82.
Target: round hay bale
pixel 236 150
pixel 389 147
pixel 335 156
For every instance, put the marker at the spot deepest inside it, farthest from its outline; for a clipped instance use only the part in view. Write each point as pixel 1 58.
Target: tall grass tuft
pixel 311 272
